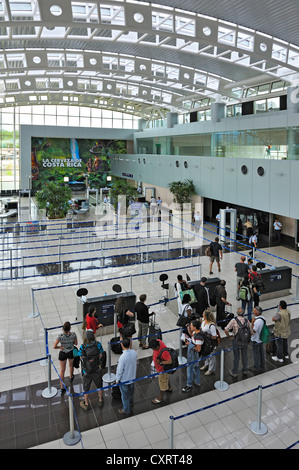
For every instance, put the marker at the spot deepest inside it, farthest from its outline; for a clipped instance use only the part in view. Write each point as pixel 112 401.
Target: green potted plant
pixel 182 191
pixel 122 188
pixel 55 199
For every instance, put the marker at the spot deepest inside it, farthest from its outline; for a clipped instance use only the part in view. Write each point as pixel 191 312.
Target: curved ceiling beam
pixel 89 33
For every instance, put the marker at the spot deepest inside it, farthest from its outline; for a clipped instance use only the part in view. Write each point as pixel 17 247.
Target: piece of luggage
pixel 265 334
pixel 90 358
pixel 154 329
pixel 175 360
pixel 271 347
pixel 243 334
pixel 116 395
pixel 116 348
pixel 103 360
pixel 225 321
pixel 244 293
pixel 208 344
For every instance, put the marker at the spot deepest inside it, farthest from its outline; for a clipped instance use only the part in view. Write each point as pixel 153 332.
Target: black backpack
pixel 208 344
pixel 174 357
pixel 243 334
pixel 90 358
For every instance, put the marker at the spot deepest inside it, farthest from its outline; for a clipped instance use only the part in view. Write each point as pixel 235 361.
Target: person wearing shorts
pixel 163 379
pixel 89 377
pixel 216 250
pixel 65 342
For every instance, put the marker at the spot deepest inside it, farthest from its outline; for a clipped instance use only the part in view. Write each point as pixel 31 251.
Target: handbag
pixel 129 330
pixel 191 293
pixel 76 362
pixel 182 321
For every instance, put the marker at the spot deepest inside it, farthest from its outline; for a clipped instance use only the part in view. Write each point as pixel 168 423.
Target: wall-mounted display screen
pixel 64 159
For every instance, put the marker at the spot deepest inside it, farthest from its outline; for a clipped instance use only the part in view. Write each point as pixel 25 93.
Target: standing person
pixel 257 285
pixel 126 372
pixel 239 345
pixel 90 321
pixel 159 202
pixel 216 250
pixel 142 315
pixel 90 352
pixel 164 385
pixel 123 313
pixel 257 345
pixel 197 220
pixel 202 296
pixel 246 297
pixel 221 302
pixel 253 243
pixel 180 286
pixel 281 331
pixel 249 229
pixel 208 325
pixel 242 269
pixel 186 308
pixel 67 341
pixel 194 347
pixel 277 230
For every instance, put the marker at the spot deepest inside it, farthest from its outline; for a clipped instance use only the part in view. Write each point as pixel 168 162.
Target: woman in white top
pixel 208 325
pixel 180 286
pixel 186 308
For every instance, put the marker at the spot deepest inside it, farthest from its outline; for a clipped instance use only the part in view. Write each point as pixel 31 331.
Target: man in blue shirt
pixel 90 352
pixel 126 372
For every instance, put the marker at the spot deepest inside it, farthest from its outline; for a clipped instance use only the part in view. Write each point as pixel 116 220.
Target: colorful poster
pixel 54 159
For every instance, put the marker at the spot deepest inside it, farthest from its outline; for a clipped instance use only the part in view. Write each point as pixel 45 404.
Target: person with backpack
pixel 194 347
pixel 241 269
pixel 246 297
pixel 90 353
pixel 241 335
pixel 258 323
pixel 161 358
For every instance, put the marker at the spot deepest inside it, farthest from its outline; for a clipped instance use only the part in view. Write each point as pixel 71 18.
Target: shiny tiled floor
pixel 29 420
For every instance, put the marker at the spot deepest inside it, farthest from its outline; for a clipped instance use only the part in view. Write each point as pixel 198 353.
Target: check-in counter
pixel 105 308
pixel 277 282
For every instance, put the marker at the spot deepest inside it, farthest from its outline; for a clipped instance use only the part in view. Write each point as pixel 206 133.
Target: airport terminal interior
pixel 159 127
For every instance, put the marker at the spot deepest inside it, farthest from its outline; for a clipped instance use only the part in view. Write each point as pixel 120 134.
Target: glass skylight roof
pixel 132 53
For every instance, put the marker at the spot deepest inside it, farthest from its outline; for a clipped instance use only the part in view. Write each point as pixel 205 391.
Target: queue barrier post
pixel 32 314
pixel 297 289
pixel 72 437
pixel 109 377
pixel 50 391
pixel 257 427
pixel 171 431
pixel 182 360
pixel 220 384
pixel 44 362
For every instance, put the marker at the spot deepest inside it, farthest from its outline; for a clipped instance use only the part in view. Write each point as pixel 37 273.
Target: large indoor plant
pixel 182 191
pixel 55 199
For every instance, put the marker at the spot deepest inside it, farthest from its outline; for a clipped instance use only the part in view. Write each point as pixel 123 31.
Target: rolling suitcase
pixel 154 329
pixel 116 348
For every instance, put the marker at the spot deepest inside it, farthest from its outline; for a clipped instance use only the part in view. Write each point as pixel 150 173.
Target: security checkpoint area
pixel 45 270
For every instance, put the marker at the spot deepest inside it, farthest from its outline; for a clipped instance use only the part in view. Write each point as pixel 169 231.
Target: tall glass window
pixel 52 115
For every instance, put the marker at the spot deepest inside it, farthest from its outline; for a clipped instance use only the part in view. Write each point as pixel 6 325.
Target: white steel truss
pixel 130 55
